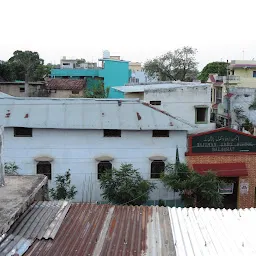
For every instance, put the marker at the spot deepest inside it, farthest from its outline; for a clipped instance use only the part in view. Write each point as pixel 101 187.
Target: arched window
pixel 157 167
pixel 103 166
pixel 44 167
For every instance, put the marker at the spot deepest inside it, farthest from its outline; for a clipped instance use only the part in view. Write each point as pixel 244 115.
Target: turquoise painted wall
pixel 74 72
pixel 114 73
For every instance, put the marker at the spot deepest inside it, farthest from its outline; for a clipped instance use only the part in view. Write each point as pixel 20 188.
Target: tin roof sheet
pixel 213 232
pixel 86 114
pixel 41 221
pixel 158 86
pixel 100 230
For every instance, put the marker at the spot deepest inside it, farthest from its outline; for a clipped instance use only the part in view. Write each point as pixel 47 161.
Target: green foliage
pixel 216 67
pixel 10 168
pixel 6 72
pixel 125 186
pixel 178 65
pixel 24 65
pixel 96 91
pixel 248 126
pixel 161 202
pixel 64 190
pixel 196 190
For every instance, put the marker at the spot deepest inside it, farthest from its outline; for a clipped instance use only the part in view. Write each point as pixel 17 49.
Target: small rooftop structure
pixel 65 84
pixel 155 86
pixel 16 196
pixel 86 114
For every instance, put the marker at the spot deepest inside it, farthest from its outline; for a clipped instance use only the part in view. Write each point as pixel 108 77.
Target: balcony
pixel 230 79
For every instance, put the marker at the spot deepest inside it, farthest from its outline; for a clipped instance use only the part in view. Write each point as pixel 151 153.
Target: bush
pixel 64 190
pixel 10 168
pixel 196 190
pixel 125 186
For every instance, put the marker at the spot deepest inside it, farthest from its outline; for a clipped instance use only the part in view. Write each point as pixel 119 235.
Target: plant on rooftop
pixel 248 126
pixel 10 168
pixel 196 190
pixel 125 186
pixel 96 91
pixel 177 65
pixel 63 190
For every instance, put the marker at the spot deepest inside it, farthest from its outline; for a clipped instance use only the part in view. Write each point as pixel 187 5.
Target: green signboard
pixel 223 141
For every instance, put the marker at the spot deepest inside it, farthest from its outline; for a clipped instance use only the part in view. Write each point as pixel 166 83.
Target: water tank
pixel 106 54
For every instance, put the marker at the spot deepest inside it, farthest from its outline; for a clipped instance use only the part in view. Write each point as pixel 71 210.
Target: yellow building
pixel 135 66
pixel 242 73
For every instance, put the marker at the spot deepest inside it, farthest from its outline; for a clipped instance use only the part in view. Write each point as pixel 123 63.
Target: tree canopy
pixel 216 67
pixel 125 186
pixel 24 65
pixel 177 65
pixel 196 190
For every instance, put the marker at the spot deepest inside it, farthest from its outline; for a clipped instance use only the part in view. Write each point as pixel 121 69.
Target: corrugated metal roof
pixel 101 230
pixel 213 232
pixel 85 114
pixel 5 95
pixel 41 221
pixel 158 86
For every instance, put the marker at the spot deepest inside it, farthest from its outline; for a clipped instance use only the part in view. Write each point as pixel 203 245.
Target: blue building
pixel 112 73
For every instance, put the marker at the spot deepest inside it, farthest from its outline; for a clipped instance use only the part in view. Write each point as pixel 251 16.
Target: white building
pixel 51 136
pixel 139 76
pixel 189 101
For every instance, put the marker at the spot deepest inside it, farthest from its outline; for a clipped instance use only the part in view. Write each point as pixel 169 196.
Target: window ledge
pixel 159 158
pixel 44 159
pixel 104 158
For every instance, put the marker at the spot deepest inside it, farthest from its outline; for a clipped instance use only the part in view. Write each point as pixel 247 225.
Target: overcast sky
pixel 136 30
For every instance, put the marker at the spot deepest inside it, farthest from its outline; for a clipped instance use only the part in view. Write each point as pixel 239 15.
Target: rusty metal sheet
pixel 102 230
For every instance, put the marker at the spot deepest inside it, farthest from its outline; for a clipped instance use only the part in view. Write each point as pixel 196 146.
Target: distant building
pixel 113 72
pixel 135 66
pixel 17 89
pixel 138 77
pixel 189 101
pixel 88 136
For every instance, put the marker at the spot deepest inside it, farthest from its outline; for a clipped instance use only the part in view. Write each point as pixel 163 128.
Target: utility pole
pixel 1 159
pixel 228 98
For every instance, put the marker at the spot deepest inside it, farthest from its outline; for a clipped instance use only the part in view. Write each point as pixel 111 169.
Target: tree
pixel 196 190
pixel 125 186
pixel 64 190
pixel 216 67
pixel 6 72
pixel 178 65
pixel 26 65
pixel 96 91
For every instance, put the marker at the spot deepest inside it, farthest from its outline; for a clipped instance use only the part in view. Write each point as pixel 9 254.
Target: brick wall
pixel 244 200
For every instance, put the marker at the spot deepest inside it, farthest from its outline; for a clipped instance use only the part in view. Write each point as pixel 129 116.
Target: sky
pixel 137 30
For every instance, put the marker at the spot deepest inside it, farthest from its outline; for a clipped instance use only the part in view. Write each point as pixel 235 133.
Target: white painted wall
pixel 181 102
pixel 1 158
pixel 143 78
pixel 70 66
pixel 76 150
